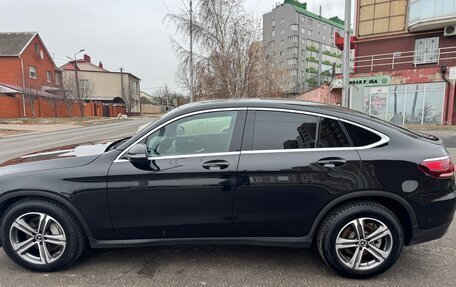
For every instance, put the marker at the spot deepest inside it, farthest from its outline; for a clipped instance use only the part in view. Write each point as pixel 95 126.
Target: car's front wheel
pixel 41 235
pixel 360 239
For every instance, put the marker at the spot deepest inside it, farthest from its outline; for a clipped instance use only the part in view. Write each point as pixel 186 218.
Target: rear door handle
pixel 215 164
pixel 332 162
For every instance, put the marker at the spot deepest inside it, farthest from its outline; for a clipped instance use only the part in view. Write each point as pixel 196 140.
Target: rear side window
pixel 281 130
pixel 361 137
pixel 332 135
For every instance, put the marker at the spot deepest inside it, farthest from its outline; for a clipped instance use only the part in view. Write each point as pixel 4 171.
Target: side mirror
pixel 138 154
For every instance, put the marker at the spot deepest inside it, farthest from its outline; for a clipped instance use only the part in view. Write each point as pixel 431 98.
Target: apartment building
pixel 303 44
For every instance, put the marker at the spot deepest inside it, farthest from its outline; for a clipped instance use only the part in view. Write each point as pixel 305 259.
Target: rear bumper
pixel 425 235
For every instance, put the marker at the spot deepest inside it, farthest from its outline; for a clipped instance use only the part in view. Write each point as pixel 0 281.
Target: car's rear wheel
pixel 360 239
pixel 41 235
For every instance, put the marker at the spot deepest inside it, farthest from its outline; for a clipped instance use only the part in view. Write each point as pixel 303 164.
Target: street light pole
pixel 346 72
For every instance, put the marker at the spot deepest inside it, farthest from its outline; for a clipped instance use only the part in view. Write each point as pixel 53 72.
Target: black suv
pixel 262 172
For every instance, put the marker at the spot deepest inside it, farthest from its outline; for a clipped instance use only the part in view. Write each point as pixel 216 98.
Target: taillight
pixel 438 167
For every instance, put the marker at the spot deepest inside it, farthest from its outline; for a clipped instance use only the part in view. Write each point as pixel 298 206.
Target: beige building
pixel 108 87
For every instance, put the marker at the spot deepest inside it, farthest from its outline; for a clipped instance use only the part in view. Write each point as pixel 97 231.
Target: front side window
pixel 198 134
pixel 279 130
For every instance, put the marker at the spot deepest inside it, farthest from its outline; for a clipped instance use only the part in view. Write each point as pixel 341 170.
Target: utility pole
pixel 346 73
pixel 191 52
pixel 76 75
pixel 122 85
pixel 167 97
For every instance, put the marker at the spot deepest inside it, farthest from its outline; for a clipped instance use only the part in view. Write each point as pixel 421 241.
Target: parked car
pixel 260 172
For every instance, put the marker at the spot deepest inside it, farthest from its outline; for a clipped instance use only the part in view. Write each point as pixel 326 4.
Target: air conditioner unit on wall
pixel 450 31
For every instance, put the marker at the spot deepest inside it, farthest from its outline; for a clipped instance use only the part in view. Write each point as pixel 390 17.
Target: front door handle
pixel 216 164
pixel 332 162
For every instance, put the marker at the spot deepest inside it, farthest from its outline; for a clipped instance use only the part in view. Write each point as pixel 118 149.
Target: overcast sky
pixel 120 33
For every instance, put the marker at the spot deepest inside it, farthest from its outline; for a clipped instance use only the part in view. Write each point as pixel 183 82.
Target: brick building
pixel 405 61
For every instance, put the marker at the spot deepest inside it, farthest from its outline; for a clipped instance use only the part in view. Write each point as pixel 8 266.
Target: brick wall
pixel 11 106
pixel 321 95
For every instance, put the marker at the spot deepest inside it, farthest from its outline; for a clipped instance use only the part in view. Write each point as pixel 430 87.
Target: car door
pixel 185 190
pixel 292 164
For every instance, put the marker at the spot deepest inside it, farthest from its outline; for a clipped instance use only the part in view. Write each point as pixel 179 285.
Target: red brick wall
pixel 404 43
pixel 12 107
pixel 321 95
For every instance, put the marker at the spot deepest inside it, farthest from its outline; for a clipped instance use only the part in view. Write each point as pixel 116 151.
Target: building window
pixel 282 42
pixel 292 50
pixel 423 10
pixel 426 50
pixel 310 22
pixel 324 26
pixel 273 22
pixel 324 37
pixel 37 48
pixel 32 72
pixel 303 63
pixel 272 43
pixel 293 39
pixel 282 31
pixel 282 20
pixel 57 78
pixel 303 19
pixel 292 61
pixel 49 76
pixel 281 53
pixel 294 27
pixel 293 72
pixel 273 33
pixel 318 35
pixel 309 32
pixel 405 104
pixel 331 29
pixel 303 30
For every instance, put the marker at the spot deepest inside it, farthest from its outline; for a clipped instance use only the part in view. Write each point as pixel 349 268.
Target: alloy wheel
pixel 364 244
pixel 37 238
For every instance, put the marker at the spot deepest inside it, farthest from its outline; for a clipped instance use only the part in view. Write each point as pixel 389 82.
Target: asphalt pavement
pixel 429 264
pixel 15 146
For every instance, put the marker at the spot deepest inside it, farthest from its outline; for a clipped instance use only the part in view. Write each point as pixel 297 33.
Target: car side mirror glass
pixel 138 154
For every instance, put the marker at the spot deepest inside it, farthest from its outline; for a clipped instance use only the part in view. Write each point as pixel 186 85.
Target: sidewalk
pixel 12 127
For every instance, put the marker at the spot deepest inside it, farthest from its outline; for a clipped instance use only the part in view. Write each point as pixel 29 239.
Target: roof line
pixel 28 43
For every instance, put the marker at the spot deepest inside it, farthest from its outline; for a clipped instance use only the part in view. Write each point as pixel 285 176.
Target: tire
pixel 356 256
pixel 41 235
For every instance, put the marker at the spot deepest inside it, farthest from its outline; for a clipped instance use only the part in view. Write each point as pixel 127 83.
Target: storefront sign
pixel 371 81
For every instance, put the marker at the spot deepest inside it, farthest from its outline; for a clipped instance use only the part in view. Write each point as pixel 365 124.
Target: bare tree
pixel 32 91
pixel 69 92
pixel 231 61
pixel 86 90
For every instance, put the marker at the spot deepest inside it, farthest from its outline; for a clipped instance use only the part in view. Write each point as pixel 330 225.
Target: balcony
pixel 431 14
pixel 406 60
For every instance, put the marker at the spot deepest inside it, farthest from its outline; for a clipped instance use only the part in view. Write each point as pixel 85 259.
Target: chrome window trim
pixel 119 157
pixel 383 138
pixel 294 112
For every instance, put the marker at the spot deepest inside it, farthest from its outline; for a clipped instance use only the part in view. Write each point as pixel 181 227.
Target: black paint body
pixel 274 198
